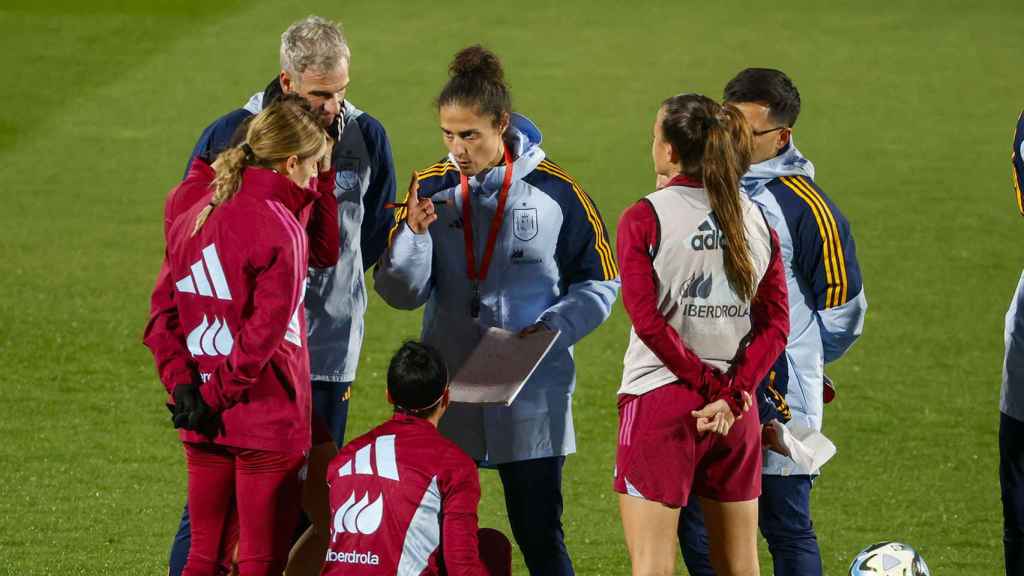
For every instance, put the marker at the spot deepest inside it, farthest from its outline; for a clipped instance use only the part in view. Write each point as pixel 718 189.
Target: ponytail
pixel 228 167
pixel 288 127
pixel 726 158
pixel 714 144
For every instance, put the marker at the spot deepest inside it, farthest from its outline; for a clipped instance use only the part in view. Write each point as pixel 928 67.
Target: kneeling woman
pixel 230 343
pixel 703 284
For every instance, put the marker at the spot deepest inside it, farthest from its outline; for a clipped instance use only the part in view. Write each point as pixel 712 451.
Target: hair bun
pixel 477 61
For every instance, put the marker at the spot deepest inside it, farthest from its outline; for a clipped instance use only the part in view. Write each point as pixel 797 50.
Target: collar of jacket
pixel 684 180
pixel 265 183
pixel 272 91
pixel 200 170
pixel 412 420
pixel 788 162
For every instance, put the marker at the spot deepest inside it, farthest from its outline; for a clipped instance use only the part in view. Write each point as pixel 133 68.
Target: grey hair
pixel 313 43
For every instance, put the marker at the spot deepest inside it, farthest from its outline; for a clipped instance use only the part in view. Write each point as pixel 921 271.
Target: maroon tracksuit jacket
pixel 402 498
pixel 227 311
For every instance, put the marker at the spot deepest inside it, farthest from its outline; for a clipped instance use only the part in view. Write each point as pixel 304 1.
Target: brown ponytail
pixel 726 158
pixel 288 127
pixel 714 143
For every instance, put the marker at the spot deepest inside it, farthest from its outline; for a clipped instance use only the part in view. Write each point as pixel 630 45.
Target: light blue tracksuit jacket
pixel 826 296
pixel 552 263
pixel 1011 394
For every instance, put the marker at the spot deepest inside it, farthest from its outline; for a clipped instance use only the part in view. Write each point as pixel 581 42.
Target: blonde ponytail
pixel 229 166
pixel 288 127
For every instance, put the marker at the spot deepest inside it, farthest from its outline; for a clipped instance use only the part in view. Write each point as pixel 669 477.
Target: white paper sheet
pixel 809 448
pixel 498 367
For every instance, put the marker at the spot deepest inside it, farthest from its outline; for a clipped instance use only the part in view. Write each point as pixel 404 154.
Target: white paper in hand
pixel 499 366
pixel 809 448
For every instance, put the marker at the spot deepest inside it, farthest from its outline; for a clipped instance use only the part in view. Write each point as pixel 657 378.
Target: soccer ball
pixel 889 559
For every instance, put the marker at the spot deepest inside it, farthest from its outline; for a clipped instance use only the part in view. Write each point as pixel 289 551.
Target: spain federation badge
pixel 524 223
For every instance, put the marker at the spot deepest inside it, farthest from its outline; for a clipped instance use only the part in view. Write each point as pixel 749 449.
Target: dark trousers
pixel 533 498
pixel 693 539
pixel 1011 480
pixel 784 514
pixel 330 402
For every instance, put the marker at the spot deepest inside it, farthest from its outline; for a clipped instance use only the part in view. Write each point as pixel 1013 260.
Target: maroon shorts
pixel 661 457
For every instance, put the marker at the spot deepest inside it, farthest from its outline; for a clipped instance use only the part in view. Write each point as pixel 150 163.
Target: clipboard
pixel 499 366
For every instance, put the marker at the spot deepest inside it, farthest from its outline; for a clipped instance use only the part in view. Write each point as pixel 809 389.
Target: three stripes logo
pixel 202 278
pixel 697 286
pixel 209 338
pixel 362 516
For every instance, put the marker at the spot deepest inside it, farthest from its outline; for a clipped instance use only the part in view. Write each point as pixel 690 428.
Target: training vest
pixel 694 294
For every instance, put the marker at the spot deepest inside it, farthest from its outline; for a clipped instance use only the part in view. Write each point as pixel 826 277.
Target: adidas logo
pixel 362 516
pixel 201 279
pixel 708 236
pixel 384 448
pixel 697 286
pixel 517 253
pixel 208 339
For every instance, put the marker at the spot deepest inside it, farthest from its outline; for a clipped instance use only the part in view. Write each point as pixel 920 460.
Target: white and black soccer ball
pixel 889 559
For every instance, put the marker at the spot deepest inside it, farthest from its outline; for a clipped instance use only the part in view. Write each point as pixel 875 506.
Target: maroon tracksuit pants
pixel 264 488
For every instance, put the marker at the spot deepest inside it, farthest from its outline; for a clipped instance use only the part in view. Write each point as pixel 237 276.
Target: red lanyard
pixel 492 235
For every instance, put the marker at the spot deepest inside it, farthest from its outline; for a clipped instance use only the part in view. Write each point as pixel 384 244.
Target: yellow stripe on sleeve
pixel 1016 189
pixel 400 215
pixel 821 217
pixel 838 253
pixel 439 169
pixel 1016 178
pixel 608 266
pixel 435 170
pixel 1016 174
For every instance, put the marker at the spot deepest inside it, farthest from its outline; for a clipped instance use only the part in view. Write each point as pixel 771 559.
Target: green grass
pixel 908 113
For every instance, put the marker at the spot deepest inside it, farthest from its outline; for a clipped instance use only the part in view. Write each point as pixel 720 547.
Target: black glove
pixel 191 412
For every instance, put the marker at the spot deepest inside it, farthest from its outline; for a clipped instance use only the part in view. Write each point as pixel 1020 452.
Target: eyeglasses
pixel 768 131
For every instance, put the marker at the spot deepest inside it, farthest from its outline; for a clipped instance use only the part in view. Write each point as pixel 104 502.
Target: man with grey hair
pixel 315 61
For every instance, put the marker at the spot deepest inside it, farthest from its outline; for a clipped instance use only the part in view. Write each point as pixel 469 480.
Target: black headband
pixel 250 156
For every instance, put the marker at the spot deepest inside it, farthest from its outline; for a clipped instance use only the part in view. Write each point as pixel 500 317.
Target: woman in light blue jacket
pixel 517 244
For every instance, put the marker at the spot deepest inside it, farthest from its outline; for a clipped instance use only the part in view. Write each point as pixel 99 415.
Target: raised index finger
pixel 414 188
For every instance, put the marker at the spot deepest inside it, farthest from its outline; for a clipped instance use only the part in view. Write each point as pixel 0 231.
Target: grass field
pixel 908 113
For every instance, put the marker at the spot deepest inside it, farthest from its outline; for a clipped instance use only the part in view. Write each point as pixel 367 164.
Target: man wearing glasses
pixel 827 306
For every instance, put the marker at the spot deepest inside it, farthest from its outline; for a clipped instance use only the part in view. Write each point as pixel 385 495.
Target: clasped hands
pixel 191 412
pixel 717 416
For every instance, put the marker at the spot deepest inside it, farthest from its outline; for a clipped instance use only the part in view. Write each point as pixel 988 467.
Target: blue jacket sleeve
pixel 825 258
pixel 1017 161
pixel 381 190
pixel 586 264
pixel 217 136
